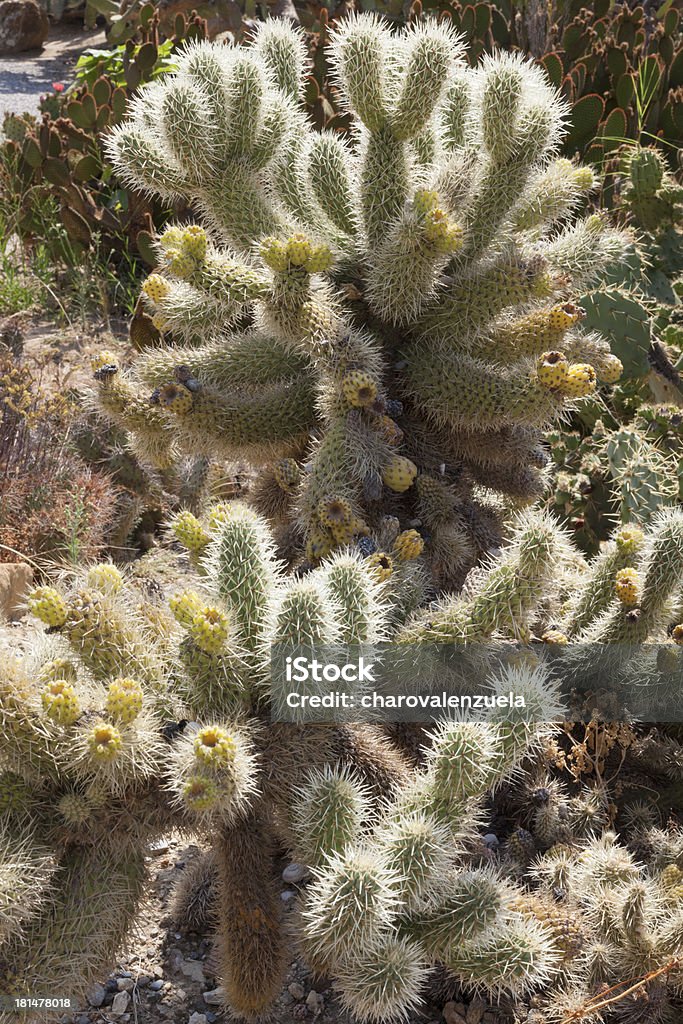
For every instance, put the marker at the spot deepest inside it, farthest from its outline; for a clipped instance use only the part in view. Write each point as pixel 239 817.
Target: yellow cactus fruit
pixel 60 701
pixel 320 259
pixel 425 200
pixel 200 793
pixel 273 252
pixel 176 398
pixel 359 388
pixel 58 668
pixel 381 565
pixel 124 700
pixel 105 357
pixel 399 474
pixel 48 605
pixel 218 514
pixel 677 635
pixel 104 741
pixel 172 237
pixel 390 430
pixel 560 318
pixel 160 322
pixel 555 637
pixel 184 606
pixel 194 242
pixel 611 369
pixel 579 381
pixel 671 875
pixel 287 474
pixel 180 264
pixel 627 587
pixel 629 539
pixel 346 532
pixel 190 532
pixel 318 545
pixel 442 233
pixel 299 249
pixel 584 178
pixel 105 577
pixel 334 512
pixel 408 545
pixel 210 629
pixel 214 746
pixel 552 369
pixel 156 287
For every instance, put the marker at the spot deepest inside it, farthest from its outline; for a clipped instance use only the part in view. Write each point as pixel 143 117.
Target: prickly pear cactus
pixel 390 313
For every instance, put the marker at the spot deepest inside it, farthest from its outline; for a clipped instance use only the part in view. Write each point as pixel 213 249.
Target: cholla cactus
pixel 407 290
pixel 94 766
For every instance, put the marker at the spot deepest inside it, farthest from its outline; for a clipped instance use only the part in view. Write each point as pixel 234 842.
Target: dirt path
pixel 24 77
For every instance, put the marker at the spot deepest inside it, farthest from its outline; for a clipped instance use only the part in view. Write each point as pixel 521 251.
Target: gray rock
pixel 197 1018
pixel 314 1001
pixel 23 26
pixel 125 984
pixel 160 847
pixel 95 994
pixel 142 980
pixel 193 969
pixel 294 873
pixel 297 990
pixel 214 996
pixel 157 984
pixel 452 1015
pixel 475 1011
pixel 120 1003
pixel 287 895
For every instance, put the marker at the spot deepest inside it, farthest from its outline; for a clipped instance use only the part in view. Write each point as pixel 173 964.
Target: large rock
pixel 23 26
pixel 15 581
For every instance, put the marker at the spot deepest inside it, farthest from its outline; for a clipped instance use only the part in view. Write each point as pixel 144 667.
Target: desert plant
pixel 100 756
pixel 409 295
pixel 616 462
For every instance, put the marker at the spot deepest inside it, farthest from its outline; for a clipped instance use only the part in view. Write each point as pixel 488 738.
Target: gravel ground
pixel 24 77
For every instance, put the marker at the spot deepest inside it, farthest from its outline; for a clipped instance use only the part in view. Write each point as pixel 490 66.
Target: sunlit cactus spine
pixel 375 312
pixel 401 897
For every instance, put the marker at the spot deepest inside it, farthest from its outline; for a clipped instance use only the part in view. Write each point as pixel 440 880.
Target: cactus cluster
pixel 380 310
pixel 136 712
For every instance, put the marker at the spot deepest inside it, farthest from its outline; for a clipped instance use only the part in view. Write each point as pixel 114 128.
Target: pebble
pixel 287 895
pixel 314 1001
pixel 197 1018
pixel 491 840
pixel 211 1017
pixel 120 1003
pixel 452 1013
pixel 96 994
pixel 193 969
pixel 294 873
pixel 143 980
pixel 475 1011
pixel 297 990
pixel 215 996
pixel 286 999
pixel 156 985
pixel 125 984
